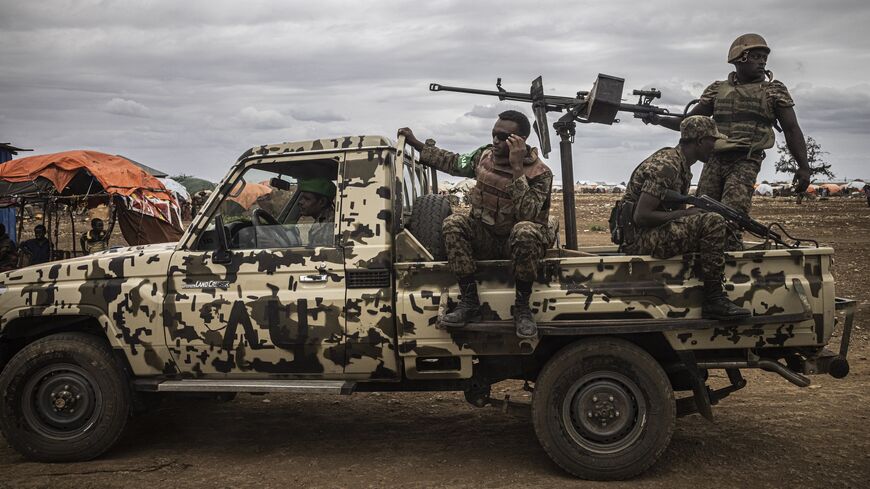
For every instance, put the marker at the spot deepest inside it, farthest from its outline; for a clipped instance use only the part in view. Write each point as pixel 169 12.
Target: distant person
pixel 8 251
pixel 198 200
pixel 317 200
pixel 96 239
pixel 746 107
pixel 36 250
pixel 866 191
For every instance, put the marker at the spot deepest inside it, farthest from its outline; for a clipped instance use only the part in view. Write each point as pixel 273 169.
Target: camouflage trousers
pixel 699 233
pixel 729 177
pixel 467 239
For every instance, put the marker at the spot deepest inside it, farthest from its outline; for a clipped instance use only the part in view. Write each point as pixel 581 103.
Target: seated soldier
pixel 317 200
pixel 510 205
pixel 36 250
pixel 96 239
pixel 664 231
pixel 8 251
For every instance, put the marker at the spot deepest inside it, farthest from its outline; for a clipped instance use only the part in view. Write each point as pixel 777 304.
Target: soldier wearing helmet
pixel 746 107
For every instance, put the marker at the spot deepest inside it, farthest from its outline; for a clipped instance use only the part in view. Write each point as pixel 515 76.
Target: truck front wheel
pixel 603 409
pixel 64 399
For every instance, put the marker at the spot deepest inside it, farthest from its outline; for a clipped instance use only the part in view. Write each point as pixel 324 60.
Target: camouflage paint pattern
pixel 172 311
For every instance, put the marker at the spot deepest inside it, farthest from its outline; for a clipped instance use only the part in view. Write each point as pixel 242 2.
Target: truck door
pixel 272 302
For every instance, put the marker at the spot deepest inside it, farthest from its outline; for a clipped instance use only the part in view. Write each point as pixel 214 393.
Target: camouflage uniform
pixel 519 230
pixel 703 233
pixel 745 113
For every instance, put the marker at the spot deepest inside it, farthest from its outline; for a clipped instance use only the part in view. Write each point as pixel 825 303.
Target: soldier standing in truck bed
pixel 509 217
pixel 663 231
pixel 746 108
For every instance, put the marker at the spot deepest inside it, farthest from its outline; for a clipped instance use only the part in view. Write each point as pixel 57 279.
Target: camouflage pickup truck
pixel 247 302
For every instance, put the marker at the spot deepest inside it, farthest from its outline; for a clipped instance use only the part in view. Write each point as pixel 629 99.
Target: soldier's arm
pixel 797 145
pixel 704 106
pixel 529 196
pixel 673 122
pixel 460 165
pixel 657 180
pixel 440 159
pixel 648 215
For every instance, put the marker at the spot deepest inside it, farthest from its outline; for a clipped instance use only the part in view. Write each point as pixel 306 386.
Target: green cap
pixel 320 186
pixel 699 126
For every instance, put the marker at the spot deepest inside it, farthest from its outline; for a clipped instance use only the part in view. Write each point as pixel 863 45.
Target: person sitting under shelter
pixel 96 239
pixel 317 200
pixel 36 250
pixel 8 251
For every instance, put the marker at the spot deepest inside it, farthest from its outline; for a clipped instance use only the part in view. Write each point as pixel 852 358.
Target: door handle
pixel 312 278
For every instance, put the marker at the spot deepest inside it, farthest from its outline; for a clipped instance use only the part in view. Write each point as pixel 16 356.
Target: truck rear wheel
pixel 427 216
pixel 603 409
pixel 65 399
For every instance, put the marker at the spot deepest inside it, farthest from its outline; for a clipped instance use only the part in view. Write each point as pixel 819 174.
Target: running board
pixel 221 385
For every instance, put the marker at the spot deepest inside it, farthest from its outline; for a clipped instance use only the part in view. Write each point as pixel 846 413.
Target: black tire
pixel 427 215
pixel 610 381
pixel 65 399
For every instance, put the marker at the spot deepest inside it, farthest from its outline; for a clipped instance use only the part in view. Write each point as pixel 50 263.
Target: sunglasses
pixel 501 136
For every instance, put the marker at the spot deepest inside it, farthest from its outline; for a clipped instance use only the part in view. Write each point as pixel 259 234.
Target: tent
pixel 763 189
pixel 856 184
pixel 147 212
pixel 178 190
pixel 829 188
pixel 193 184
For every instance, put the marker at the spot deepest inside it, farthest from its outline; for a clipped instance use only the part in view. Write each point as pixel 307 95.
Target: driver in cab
pixel 317 201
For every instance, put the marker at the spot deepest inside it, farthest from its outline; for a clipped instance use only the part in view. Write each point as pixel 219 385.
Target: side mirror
pixel 222 253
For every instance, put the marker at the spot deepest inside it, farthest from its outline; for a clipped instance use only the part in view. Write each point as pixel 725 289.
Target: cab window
pixel 279 205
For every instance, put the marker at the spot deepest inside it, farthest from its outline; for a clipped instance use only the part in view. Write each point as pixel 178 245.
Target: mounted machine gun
pixel 599 105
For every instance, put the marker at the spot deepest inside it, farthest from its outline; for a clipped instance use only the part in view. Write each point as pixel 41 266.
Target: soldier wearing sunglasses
pixel 509 218
pixel 746 107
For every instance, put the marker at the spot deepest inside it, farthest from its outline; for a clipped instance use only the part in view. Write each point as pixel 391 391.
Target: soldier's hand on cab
pixel 410 138
pixel 801 179
pixel 517 153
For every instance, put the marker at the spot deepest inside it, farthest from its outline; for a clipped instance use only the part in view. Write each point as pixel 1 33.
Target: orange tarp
pixel 117 175
pixel 249 195
pixel 832 188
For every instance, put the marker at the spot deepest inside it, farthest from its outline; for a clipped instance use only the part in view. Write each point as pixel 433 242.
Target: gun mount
pixel 599 106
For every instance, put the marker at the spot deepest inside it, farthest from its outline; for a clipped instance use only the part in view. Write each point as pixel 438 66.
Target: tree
pixel 818 165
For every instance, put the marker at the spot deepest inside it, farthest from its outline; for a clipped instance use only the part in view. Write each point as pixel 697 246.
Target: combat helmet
pixel 745 43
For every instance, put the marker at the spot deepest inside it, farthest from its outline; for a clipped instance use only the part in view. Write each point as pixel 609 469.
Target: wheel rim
pixel 604 412
pixel 61 402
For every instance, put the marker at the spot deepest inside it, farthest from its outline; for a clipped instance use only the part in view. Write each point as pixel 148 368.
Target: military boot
pixel 717 306
pixel 523 319
pixel 468 309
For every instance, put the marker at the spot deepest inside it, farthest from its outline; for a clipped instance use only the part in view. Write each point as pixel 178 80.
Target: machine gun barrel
pixel 502 95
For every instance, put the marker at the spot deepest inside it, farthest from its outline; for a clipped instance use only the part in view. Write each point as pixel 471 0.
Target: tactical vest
pixel 743 114
pixel 491 203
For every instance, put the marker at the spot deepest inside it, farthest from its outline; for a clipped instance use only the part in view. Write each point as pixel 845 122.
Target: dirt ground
pixel 770 434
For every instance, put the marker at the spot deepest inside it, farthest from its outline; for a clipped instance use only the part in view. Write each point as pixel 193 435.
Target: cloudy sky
pixel 188 86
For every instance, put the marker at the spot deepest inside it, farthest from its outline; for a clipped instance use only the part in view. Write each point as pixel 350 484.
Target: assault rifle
pixel 599 105
pixel 742 220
